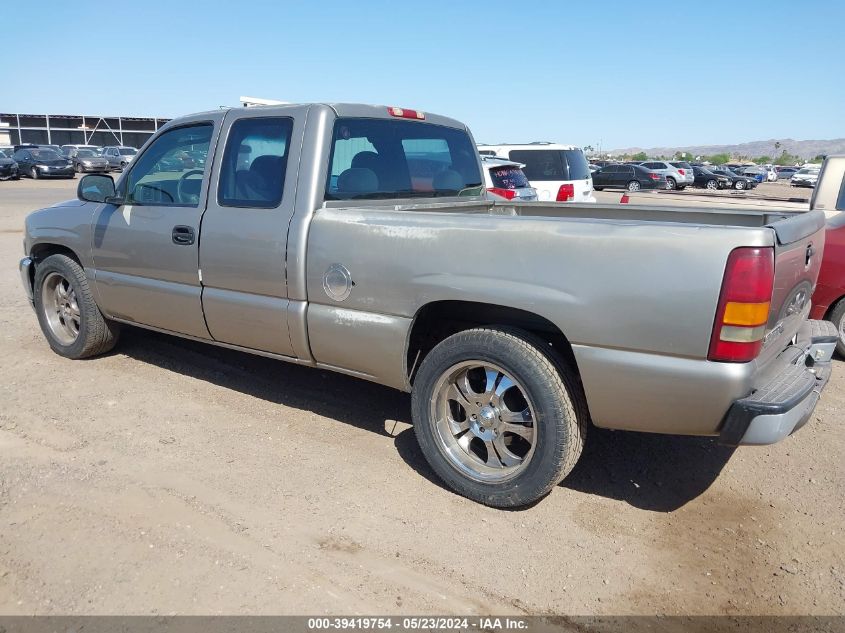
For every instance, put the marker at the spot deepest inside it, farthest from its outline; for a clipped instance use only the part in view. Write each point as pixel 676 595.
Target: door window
pixel 254 163
pixel 170 172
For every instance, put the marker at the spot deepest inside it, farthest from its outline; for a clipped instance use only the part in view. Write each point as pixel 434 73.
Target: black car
pixel 738 181
pixel 37 163
pixel 706 179
pixel 630 177
pixel 8 167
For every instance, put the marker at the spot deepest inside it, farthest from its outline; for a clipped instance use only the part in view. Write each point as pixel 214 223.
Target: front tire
pixel 634 185
pixel 78 168
pixel 497 416
pixel 34 173
pixel 712 185
pixel 739 185
pixel 837 316
pixel 67 313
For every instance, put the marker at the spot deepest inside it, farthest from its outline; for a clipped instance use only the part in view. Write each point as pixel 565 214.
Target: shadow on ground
pixel 660 473
pixel 654 472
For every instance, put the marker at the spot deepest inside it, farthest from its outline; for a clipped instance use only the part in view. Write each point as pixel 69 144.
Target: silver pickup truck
pixel 360 239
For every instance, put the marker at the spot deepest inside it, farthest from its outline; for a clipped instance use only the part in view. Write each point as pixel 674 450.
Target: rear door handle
pixel 183 235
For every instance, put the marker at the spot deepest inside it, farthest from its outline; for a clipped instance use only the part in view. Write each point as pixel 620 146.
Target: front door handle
pixel 183 235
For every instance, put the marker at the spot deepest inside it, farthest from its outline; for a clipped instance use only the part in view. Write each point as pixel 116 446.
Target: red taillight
pixel 404 113
pixel 743 305
pixel 654 176
pixel 681 171
pixel 565 193
pixel 505 193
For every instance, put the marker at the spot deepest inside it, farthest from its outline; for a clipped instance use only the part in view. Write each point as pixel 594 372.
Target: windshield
pixel 128 151
pixel 508 177
pixel 85 153
pixel 3 154
pixel 383 159
pixel 44 154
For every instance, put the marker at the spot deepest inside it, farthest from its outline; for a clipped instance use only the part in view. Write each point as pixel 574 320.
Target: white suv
pixel 557 172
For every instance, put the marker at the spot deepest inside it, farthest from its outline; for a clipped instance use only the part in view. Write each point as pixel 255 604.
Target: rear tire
pixel 536 421
pixel 837 316
pixel 634 185
pixel 67 313
pixel 671 185
pixel 598 188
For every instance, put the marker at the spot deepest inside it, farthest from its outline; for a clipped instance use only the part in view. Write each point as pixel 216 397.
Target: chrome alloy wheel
pixel 484 421
pixel 60 307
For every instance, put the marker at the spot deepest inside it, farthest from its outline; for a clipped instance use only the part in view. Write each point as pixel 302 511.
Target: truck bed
pixel 800 221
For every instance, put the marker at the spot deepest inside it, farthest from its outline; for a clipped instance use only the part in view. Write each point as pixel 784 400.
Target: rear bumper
pixel 786 401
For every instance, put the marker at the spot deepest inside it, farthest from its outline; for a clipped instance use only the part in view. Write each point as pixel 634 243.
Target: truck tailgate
pixel 799 243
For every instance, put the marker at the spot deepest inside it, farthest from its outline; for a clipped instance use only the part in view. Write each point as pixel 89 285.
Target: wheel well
pixel 40 252
pixel 830 308
pixel 440 319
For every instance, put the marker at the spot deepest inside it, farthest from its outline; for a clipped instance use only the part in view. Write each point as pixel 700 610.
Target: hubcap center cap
pixel 484 425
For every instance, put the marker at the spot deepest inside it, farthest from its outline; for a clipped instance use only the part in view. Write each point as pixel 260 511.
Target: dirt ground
pixel 172 477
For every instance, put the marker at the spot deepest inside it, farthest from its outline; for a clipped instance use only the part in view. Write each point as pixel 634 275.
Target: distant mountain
pixel 804 149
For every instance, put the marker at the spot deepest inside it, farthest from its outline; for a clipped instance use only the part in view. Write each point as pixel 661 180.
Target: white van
pixel 557 172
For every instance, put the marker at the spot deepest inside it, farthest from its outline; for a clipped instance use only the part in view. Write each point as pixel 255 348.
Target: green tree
pixel 762 159
pixel 819 158
pixel 640 156
pixel 786 158
pixel 717 159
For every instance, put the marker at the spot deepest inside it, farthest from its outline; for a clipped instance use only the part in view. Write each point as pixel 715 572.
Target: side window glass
pixel 170 172
pixel 254 163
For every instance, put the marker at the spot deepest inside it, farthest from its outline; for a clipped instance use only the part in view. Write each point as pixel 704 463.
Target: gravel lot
pixel 171 477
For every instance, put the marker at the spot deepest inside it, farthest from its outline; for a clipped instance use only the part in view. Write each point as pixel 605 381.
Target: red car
pixel 829 296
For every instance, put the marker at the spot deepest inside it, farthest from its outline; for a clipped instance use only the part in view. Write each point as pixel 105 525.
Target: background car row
pixel 40 161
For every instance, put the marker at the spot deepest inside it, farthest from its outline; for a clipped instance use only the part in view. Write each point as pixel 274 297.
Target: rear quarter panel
pixel 620 291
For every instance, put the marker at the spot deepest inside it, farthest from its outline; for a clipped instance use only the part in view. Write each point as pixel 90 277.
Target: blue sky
pixel 623 73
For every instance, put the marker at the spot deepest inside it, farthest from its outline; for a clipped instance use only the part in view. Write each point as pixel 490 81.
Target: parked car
pixel 69 151
pixel 8 167
pixel 760 174
pixel 805 177
pixel 829 295
pixel 506 179
pixel 85 160
pixel 38 163
pixel 706 179
pixel 502 319
pixel 119 156
pixel 557 172
pixel 784 173
pixel 676 177
pixel 738 182
pixel 630 177
pixel 685 169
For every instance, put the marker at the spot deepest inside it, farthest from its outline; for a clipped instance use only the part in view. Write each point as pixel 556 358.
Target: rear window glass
pixel 682 165
pixel 552 164
pixel 508 177
pixel 383 159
